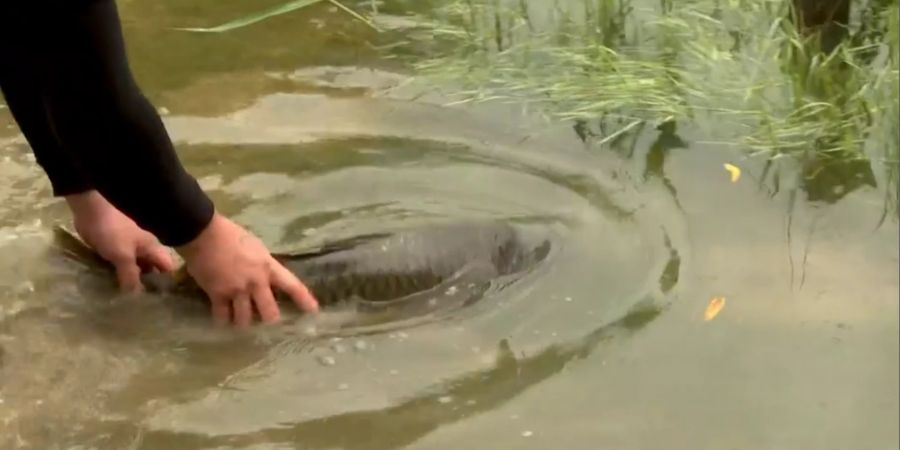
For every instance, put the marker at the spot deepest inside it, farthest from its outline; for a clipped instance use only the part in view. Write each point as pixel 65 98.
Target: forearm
pixel 129 156
pixel 24 100
pixel 101 116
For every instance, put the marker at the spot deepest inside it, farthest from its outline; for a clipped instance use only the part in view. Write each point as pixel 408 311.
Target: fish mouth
pixel 522 260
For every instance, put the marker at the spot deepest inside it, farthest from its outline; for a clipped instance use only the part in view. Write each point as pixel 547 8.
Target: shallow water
pixel 606 347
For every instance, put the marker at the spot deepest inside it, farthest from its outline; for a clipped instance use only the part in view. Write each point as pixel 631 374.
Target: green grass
pixel 737 69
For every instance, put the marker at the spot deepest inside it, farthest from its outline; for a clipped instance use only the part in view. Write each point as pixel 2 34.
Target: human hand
pixel 118 239
pixel 235 268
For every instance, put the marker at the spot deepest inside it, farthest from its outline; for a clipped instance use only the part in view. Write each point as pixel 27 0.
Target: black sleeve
pixel 23 97
pixel 102 119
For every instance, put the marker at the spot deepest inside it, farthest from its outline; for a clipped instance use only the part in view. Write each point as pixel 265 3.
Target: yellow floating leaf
pixel 712 310
pixel 735 172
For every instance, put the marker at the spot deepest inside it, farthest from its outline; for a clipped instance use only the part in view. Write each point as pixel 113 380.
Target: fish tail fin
pixel 77 250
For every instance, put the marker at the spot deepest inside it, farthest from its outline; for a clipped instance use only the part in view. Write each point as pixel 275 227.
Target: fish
pixel 409 271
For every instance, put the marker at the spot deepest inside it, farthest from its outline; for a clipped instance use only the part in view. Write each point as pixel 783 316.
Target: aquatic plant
pixel 797 82
pixel 749 73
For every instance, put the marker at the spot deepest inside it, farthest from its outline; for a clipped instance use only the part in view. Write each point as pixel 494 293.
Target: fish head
pixel 518 254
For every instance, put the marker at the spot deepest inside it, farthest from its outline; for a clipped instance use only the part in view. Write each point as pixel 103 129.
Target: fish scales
pixel 379 267
pixel 403 263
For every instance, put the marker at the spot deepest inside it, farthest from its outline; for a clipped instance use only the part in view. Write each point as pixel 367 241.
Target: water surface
pixel 302 132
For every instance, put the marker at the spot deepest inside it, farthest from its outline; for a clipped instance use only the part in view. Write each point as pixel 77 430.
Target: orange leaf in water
pixel 735 172
pixel 712 310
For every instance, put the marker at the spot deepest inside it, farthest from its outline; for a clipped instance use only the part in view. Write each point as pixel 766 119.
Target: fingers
pixel 144 256
pixel 241 306
pixel 243 310
pixel 129 274
pixel 158 257
pixel 287 282
pixel 221 311
pixel 265 303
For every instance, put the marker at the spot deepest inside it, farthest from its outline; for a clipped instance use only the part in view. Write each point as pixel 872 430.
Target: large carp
pixel 407 272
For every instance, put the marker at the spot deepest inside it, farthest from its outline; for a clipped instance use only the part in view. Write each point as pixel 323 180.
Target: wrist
pixel 86 204
pixel 209 232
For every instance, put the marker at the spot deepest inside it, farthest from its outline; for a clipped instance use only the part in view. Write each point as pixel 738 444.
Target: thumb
pixel 129 275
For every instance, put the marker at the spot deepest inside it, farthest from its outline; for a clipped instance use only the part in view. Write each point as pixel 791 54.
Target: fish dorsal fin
pixel 332 246
pixel 505 354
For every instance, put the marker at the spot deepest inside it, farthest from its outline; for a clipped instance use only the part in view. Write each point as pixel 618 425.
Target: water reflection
pixel 833 161
pixel 829 21
pixel 453 400
pixel 412 163
pixel 666 141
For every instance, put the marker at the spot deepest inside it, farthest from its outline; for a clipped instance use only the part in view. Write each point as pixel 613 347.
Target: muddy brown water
pixel 606 348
